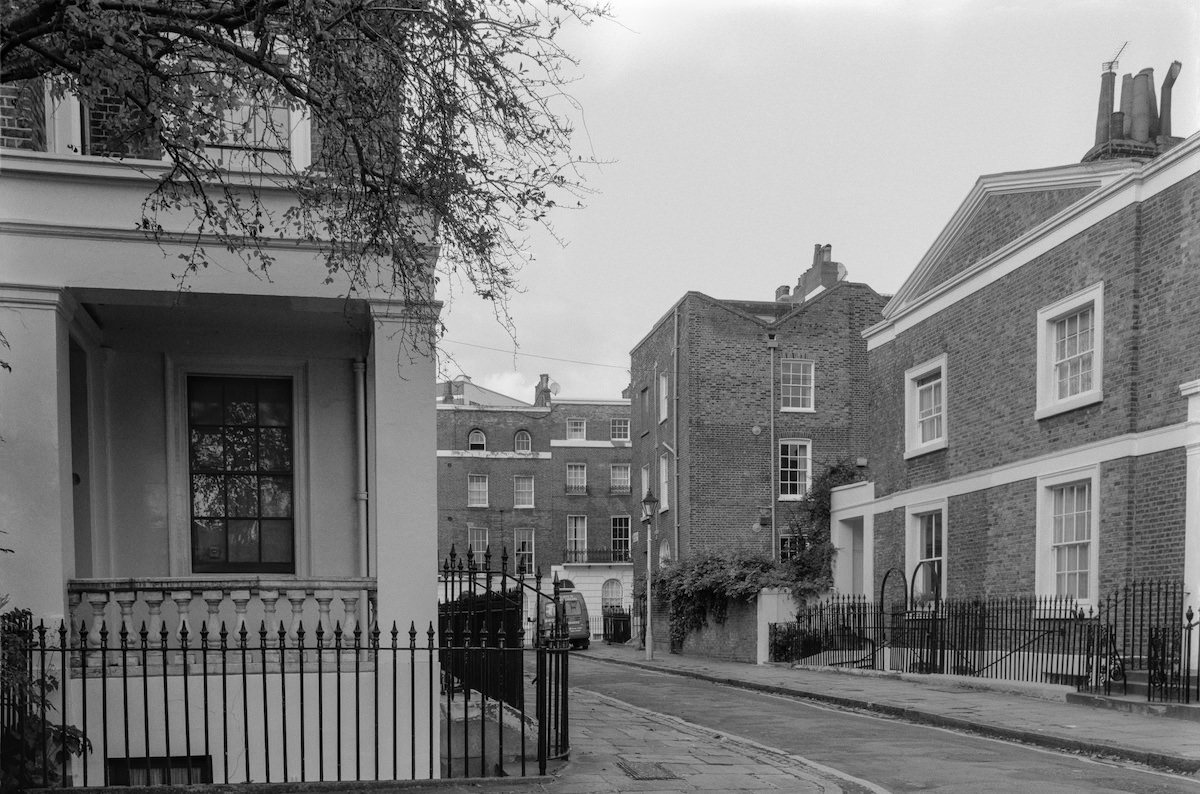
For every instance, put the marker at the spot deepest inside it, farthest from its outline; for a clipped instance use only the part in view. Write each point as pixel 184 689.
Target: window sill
pixel 914 452
pixel 792 498
pixel 523 507
pixel 1070 404
pixel 797 410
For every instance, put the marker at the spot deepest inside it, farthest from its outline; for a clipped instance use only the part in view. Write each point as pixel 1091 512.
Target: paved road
pixel 894 755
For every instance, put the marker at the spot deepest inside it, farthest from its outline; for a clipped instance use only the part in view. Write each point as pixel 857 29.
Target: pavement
pixel 618 747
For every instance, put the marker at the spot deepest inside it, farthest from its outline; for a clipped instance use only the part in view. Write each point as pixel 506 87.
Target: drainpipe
pixel 360 488
pixel 675 435
pixel 772 345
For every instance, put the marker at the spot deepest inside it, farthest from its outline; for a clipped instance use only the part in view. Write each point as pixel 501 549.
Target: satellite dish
pixel 554 388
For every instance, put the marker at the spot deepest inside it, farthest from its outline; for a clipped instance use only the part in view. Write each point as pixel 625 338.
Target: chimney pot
pixel 1116 126
pixel 781 292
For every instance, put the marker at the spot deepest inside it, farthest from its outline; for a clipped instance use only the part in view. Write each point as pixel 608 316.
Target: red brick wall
pixel 22 117
pixel 1000 219
pixel 731 470
pixel 990 340
pixel 548 518
pixel 1145 256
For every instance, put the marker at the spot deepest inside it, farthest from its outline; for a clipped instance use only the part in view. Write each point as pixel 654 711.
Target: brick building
pixel 1036 382
pixel 736 403
pixel 549 482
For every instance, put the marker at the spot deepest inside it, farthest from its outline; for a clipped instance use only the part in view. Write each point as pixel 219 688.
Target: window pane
pixel 208 540
pixel 241 402
pixel 241 449
pixel 243 495
pixel 243 541
pixel 277 541
pixel 208 449
pixel 208 495
pixel 276 497
pixel 275 449
pixel 205 406
pixel 275 402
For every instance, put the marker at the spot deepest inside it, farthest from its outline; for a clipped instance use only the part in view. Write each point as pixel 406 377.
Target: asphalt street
pixel 894 755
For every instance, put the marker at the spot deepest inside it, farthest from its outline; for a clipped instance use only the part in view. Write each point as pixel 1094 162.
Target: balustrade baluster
pixel 350 609
pixel 183 604
pixel 270 598
pixel 213 600
pixel 324 599
pixel 154 599
pixel 99 603
pixel 240 599
pixel 297 599
pixel 125 600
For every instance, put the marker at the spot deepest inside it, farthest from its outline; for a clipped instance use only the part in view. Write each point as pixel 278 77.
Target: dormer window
pixel 477 440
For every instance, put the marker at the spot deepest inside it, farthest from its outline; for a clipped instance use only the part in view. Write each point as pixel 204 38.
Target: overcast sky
pixel 738 134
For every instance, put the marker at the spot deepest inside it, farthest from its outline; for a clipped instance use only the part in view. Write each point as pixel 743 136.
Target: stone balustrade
pixel 175 606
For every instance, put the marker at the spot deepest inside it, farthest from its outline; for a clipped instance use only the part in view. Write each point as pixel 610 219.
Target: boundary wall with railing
pixel 194 702
pixel 1138 634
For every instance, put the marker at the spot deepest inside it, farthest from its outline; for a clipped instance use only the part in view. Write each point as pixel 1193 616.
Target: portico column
pixel 1191 510
pixel 35 452
pixel 403 462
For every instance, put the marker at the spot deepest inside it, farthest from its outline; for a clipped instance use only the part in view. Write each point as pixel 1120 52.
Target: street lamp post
pixel 649 507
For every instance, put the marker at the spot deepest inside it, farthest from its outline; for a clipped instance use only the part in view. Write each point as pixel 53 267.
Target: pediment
pixel 999 211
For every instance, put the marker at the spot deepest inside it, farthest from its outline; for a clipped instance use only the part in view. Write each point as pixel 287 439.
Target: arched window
pixel 611 594
pixel 522 441
pixel 477 440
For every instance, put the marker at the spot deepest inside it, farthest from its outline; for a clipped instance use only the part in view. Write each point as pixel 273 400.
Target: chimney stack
pixel 823 273
pixel 541 394
pixel 782 293
pixel 1141 128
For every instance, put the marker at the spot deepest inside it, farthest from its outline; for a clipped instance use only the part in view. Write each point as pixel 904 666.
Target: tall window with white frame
pixel 477 540
pixel 522 441
pixel 477 490
pixel 576 429
pixel 1071 545
pixel 240 459
pixel 795 466
pixel 664 401
pixel 791 543
pixel 577 539
pixel 925 407
pixel 576 479
pixel 796 385
pixel 618 478
pixel 611 595
pixel 523 559
pixel 523 491
pixel 1071 352
pixel 664 482
pixel 620 538
pixel 928 572
pixel 645 483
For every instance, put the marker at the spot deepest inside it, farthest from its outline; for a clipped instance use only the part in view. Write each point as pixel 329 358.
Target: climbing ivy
pixel 699 588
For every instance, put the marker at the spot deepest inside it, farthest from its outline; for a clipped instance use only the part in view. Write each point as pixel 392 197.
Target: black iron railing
pixel 234 704
pixel 1139 631
pixel 597 555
